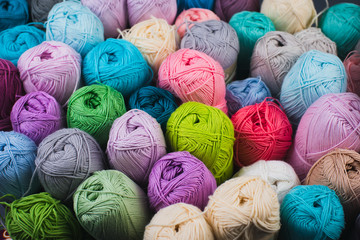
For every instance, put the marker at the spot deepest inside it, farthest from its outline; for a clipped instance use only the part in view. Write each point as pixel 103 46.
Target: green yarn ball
pixel 93 109
pixel 207 133
pixel 40 216
pixel 109 205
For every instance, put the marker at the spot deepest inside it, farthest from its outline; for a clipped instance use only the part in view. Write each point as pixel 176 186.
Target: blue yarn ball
pixel 15 41
pixel 311 212
pixel 242 93
pixel 17 164
pixel 74 24
pixel 187 4
pixel 313 75
pixel 13 13
pixel 118 64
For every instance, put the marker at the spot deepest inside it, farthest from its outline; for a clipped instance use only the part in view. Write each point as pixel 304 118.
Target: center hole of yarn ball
pixel 243 200
pixel 92 100
pixel 2 148
pixel 5 5
pixel 177 228
pixel 35 106
pixel 279 44
pixel 94 190
pixel 112 58
pixel 171 171
pixel 73 18
pixel 45 56
pixel 316 204
pixel 352 169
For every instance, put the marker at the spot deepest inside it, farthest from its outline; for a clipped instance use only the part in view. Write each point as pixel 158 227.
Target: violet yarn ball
pixel 37 115
pixel 180 177
pixel 225 9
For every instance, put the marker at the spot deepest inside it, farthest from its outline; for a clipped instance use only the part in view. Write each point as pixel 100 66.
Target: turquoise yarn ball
pixel 311 212
pixel 118 64
pixel 72 23
pixel 187 4
pixel 13 13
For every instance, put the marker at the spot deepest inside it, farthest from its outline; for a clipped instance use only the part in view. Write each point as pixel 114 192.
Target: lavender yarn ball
pixel 180 177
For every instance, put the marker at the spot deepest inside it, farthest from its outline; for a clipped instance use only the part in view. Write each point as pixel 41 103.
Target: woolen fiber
pixel 93 109
pixel 179 221
pixel 225 9
pixel 136 142
pixel 311 212
pixel 313 75
pixel 187 4
pixel 194 76
pixel 65 159
pixel 110 206
pixel 244 208
pixel 13 13
pixel 274 55
pixel 352 67
pixel 329 123
pixel 37 115
pixel 357 48
pixel 180 177
pixel 206 133
pixel 51 67
pixel 262 132
pixel 40 9
pixel 118 64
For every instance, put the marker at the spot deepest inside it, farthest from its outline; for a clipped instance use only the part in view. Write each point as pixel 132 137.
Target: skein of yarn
pixel 352 67
pixel 180 177
pixel 118 64
pixel 273 57
pixel 37 115
pixel 52 67
pixel 244 208
pixel 225 9
pixel 194 76
pixel 65 159
pixel 187 4
pixel 178 221
pixel 74 24
pixel 110 206
pixel 313 75
pixel 13 13
pixel 205 132
pixel 262 132
pixel 311 212
pixel 218 40
pixel 40 9
pixel 136 142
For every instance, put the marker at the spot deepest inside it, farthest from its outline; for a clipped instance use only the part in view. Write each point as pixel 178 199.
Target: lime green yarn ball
pixel 207 133
pixel 109 205
pixel 93 109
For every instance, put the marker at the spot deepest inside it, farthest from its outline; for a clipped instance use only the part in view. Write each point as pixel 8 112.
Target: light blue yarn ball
pixel 118 64
pixel 17 164
pixel 313 75
pixel 187 4
pixel 13 13
pixel 15 41
pixel 242 93
pixel 311 212
pixel 74 24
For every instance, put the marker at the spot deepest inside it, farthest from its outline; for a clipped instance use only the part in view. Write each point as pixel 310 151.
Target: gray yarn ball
pixel 357 48
pixel 40 9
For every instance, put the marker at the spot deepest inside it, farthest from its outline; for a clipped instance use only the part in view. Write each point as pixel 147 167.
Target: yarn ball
pixel 225 9
pixel 205 132
pixel 218 40
pixel 192 15
pixel 141 10
pixel 352 67
pixel 273 57
pixel 194 76
pixel 74 24
pixel 37 115
pixel 93 109
pixel 290 16
pixel 249 26
pixel 40 216
pixel 187 4
pixel 262 132
pixel 278 174
pixel 13 13
pixel 338 19
pixel 65 159
pixel 52 67
pixel 15 41
pixel 110 206
pixel 180 177
pixel 17 162
pixel 40 9
pixel 242 93
pixel 178 221
pixel 330 122
pixel 135 143
pixel 155 39
pixel 314 39
pixel 12 89
pixel 157 102
pixel 312 76
pixel 118 64
pixel 244 208
pixel 311 212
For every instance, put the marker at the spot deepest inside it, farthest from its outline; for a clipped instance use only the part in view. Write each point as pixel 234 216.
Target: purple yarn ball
pixel 225 9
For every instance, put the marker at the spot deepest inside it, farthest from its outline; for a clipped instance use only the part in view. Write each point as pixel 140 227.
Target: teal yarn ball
pixel 341 23
pixel 118 64
pixel 13 13
pixel 311 212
